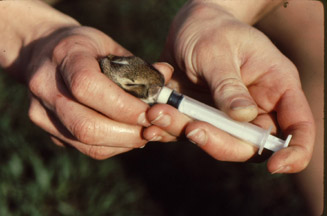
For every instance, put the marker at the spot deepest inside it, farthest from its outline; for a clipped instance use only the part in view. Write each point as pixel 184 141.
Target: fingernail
pixel 241 104
pixel 282 169
pixel 198 136
pixel 141 120
pixel 156 138
pixel 163 120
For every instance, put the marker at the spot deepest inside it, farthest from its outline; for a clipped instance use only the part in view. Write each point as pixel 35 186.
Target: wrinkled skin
pixel 75 103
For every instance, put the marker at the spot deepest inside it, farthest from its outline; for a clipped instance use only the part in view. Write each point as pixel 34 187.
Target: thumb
pixel 229 92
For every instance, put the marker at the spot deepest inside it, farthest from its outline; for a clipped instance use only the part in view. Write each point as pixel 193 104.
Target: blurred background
pixel 39 178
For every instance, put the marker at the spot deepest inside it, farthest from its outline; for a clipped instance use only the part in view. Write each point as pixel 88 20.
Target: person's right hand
pixel 73 101
pixel 249 79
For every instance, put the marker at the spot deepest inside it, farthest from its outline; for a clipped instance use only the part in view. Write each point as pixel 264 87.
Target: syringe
pixel 242 130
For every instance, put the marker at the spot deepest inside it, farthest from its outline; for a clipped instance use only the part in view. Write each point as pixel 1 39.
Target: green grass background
pixel 39 178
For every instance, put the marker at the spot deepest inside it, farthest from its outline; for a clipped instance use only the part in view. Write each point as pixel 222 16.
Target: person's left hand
pixel 73 101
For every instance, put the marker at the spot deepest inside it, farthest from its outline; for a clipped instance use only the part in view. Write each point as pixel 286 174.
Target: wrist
pixel 23 22
pixel 250 12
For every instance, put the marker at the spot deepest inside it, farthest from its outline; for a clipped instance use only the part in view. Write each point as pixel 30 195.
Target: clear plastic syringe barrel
pixel 242 130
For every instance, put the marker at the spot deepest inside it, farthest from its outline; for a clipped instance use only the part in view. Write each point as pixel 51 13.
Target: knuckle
pixel 228 88
pixel 35 84
pixel 84 130
pixel 33 112
pixel 82 86
pixel 68 44
pixel 201 48
pixel 33 116
pixel 60 50
pixel 230 84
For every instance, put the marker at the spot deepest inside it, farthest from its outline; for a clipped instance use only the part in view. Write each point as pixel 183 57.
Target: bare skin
pixel 70 98
pixel 248 77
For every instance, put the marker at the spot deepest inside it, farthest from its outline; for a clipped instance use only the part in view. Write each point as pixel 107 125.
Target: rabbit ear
pixel 120 61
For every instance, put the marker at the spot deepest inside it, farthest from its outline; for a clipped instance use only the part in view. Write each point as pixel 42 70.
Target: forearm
pixel 249 11
pixel 22 22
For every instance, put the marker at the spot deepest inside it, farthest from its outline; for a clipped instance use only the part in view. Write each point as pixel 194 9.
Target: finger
pixel 229 92
pixel 165 69
pixel 218 143
pixel 99 152
pixel 91 127
pixel 155 133
pixel 95 152
pixel 61 137
pixel 83 78
pixel 168 118
pixel 44 119
pixel 267 121
pixel 57 141
pixel 294 117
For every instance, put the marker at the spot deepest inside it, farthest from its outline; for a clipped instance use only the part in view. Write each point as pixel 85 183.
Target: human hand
pixel 249 79
pixel 73 101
